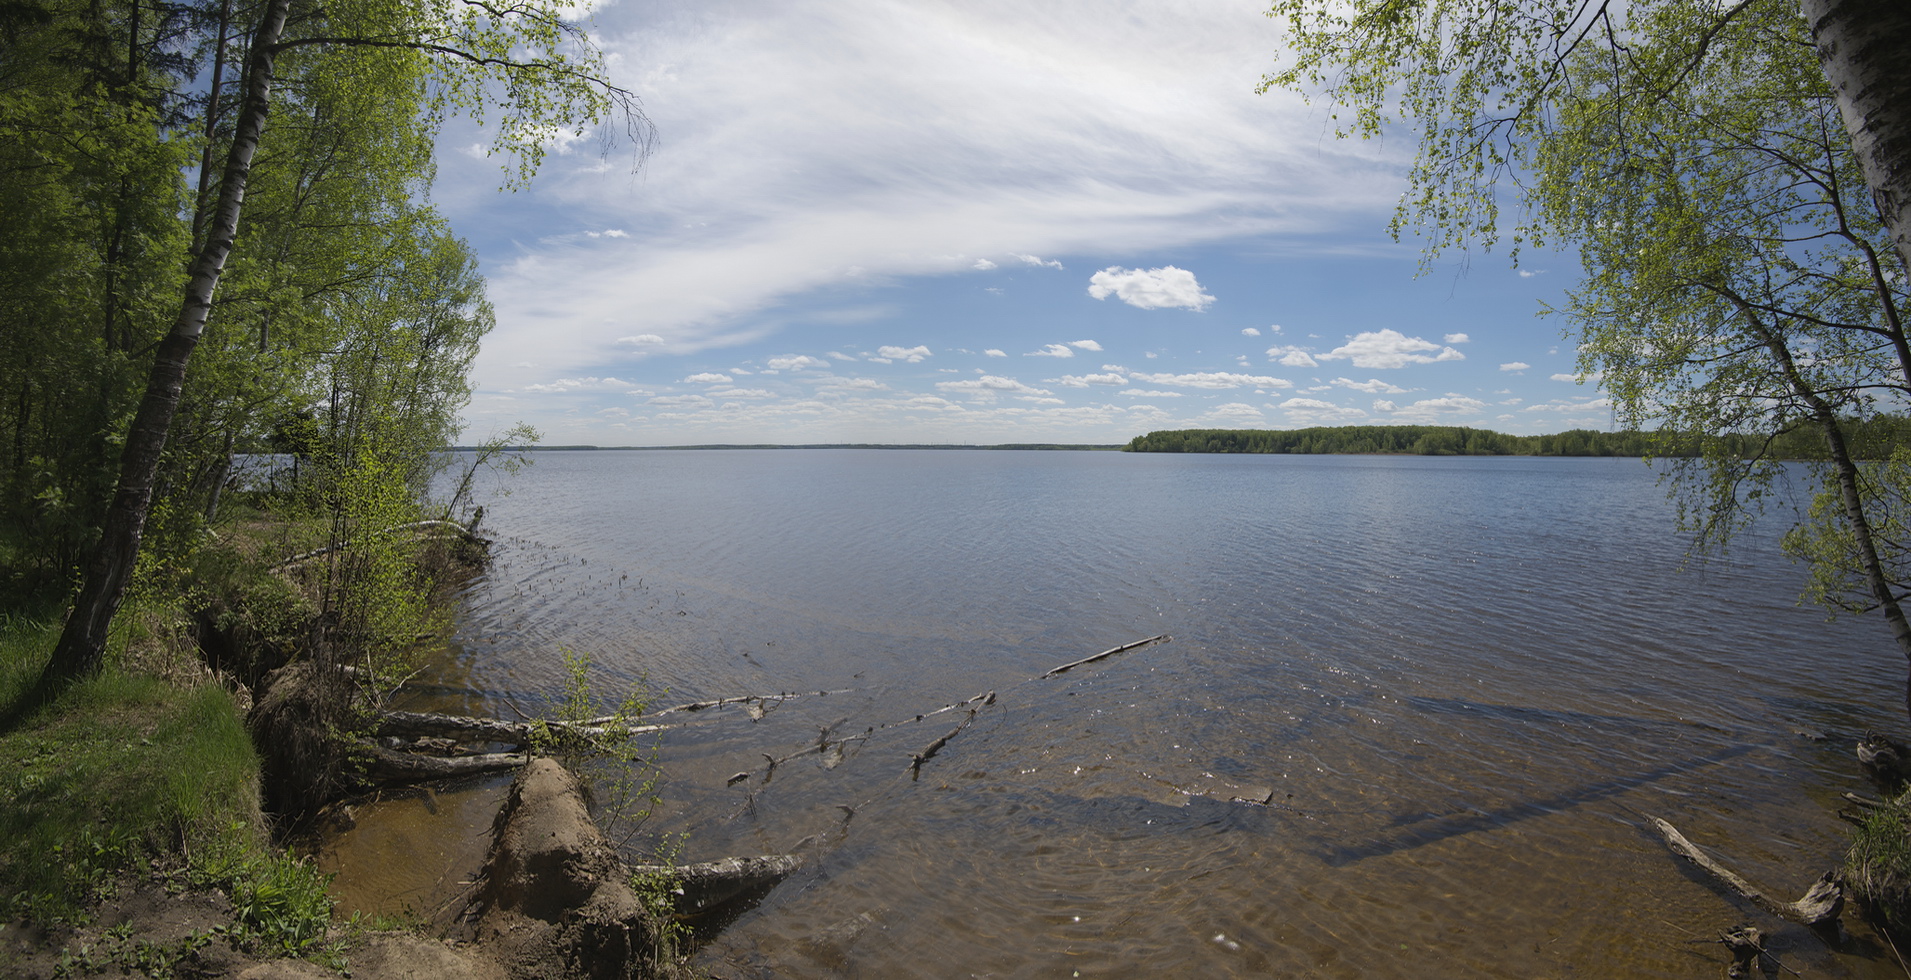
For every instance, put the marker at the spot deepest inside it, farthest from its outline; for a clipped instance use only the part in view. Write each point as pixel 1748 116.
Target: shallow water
pixel 1452 689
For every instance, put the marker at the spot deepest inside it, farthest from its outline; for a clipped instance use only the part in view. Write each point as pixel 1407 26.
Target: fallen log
pixel 452 528
pixel 468 729
pixel 1822 903
pixel 699 887
pixel 1053 671
pixel 694 706
pixel 387 766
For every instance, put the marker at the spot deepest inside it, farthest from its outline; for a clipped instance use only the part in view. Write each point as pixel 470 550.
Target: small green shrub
pixel 1878 865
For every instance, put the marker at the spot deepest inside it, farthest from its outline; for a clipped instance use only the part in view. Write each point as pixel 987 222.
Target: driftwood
pixel 388 766
pixel 699 887
pixel 916 761
pixel 1051 672
pixel 1820 907
pixel 449 527
pixel 467 729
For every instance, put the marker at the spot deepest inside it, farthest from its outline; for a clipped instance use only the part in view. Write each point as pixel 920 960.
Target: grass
pixel 1878 865
pixel 130 773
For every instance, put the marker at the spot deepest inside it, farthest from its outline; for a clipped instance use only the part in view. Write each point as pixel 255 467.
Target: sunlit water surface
pixel 1451 691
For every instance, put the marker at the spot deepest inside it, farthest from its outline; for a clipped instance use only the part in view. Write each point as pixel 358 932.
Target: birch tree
pixel 1732 174
pixel 522 70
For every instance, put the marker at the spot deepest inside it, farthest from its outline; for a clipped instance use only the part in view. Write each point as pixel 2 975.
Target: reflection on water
pixel 1411 723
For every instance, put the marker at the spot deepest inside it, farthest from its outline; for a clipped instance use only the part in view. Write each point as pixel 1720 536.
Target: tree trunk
pixel 82 644
pixel 1865 47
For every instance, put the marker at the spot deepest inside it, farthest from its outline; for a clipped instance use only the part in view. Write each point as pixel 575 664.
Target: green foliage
pixel 1735 301
pixel 1878 865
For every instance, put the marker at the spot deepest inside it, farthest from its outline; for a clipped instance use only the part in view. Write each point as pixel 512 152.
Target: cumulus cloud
pixel 1035 260
pixel 1150 289
pixel 1530 273
pixel 707 378
pixel 1383 349
pixel 1585 405
pixel 912 355
pixel 1456 338
pixel 1290 356
pixel 1515 366
pixel 1237 412
pixel 1592 377
pixel 796 362
pixel 1214 379
pixel 1150 393
pixel 1433 408
pixel 1383 405
pixel 580 384
pixel 995 352
pixel 990 383
pixel 840 356
pixel 641 340
pixel 1052 350
pixel 1250 331
pixel 1085 345
pixel 854 384
pixel 983 265
pixel 742 393
pixel 681 401
pixel 1315 410
pixel 1372 386
pixel 1084 380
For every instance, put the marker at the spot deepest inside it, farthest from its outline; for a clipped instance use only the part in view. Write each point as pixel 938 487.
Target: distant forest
pixel 1872 439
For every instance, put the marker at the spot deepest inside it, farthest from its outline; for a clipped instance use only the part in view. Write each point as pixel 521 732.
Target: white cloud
pixel 1052 350
pixel 1313 410
pixel 742 393
pixel 796 362
pixel 1250 331
pixel 1456 338
pixel 1591 378
pixel 1233 412
pixel 1035 260
pixel 641 340
pixel 1290 356
pixel 983 265
pixel 1430 409
pixel 1150 393
pixel 1585 405
pixel 912 355
pixel 1150 289
pixel 580 384
pixel 1372 386
pixel 612 233
pixel 1515 366
pixel 1383 405
pixel 995 352
pixel 1530 273
pixel 1214 379
pixel 990 383
pixel 708 377
pixel 1383 349
pixel 1084 380
pixel 853 384
pixel 840 356
pixel 1085 345
pixel 681 401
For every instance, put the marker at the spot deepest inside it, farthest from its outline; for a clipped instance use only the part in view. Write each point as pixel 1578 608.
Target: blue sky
pixel 980 222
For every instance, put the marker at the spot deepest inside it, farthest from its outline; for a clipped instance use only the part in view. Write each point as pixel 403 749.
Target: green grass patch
pixel 125 773
pixel 1878 865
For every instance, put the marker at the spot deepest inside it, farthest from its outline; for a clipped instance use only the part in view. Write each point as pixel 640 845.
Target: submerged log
pixel 468 729
pixel 384 765
pixel 1065 668
pixel 1820 907
pixel 916 761
pixel 700 887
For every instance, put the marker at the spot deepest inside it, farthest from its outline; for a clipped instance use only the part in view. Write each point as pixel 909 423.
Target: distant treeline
pixel 1874 438
pixel 1045 446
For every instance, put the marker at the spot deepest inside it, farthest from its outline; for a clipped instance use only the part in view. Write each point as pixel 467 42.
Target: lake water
pixel 1451 690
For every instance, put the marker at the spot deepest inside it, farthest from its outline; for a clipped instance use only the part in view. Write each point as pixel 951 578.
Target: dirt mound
pixel 556 899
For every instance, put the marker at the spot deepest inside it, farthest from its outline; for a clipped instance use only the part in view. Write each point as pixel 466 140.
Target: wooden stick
pixel 1105 653
pixel 469 729
pixel 386 765
pixel 916 761
pixel 1820 906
